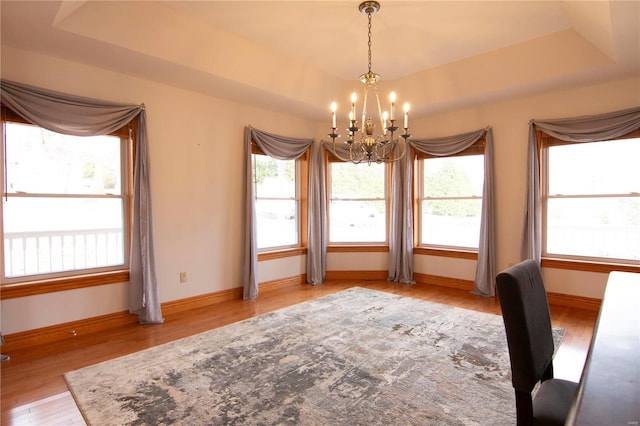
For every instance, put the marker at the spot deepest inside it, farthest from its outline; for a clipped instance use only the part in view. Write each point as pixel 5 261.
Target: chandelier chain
pixel 369 43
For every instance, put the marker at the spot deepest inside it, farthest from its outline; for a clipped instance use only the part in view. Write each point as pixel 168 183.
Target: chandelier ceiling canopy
pixel 364 142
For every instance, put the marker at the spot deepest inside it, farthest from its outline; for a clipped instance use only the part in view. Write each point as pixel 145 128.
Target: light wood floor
pixel 34 392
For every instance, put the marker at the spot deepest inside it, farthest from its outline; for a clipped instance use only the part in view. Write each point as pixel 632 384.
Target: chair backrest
pixel 525 311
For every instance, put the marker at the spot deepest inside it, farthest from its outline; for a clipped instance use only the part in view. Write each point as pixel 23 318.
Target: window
pixel 279 207
pixel 591 199
pixel 357 202
pixel 450 198
pixel 65 207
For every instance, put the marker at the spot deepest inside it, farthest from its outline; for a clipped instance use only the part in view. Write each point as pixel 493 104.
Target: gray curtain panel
pixel 281 148
pixel 317 226
pixel 486 269
pixel 74 115
pixel 590 128
pixel 401 221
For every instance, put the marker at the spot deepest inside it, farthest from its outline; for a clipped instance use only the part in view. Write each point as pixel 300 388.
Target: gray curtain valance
pixel 79 116
pixel 447 145
pixel 67 114
pixel 281 148
pixel 590 128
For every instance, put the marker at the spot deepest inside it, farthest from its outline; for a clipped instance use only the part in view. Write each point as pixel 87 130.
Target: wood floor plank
pixel 33 391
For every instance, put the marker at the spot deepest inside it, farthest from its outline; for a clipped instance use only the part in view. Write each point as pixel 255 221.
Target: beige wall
pixel 196 149
pixel 509 121
pixel 196 159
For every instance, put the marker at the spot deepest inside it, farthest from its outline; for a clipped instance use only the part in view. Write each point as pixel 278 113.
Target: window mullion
pixel 461 197
pixel 577 196
pixel 52 195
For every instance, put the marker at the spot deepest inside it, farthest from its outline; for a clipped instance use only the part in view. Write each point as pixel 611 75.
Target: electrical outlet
pixel 183 277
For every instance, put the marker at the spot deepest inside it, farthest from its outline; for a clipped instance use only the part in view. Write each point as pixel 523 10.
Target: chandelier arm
pixel 359 149
pixel 396 144
pixel 335 152
pixel 383 151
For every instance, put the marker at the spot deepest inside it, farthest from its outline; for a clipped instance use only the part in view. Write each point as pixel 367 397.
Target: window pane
pixel 44 235
pixel 454 176
pixel 357 208
pixel 451 222
pixel 277 223
pixel 452 201
pixel 44 162
pixel 276 202
pixel 595 168
pixel 594 227
pixel 357 221
pixel 274 178
pixel 350 180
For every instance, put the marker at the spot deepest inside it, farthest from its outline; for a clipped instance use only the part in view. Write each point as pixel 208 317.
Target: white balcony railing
pixel 33 253
pixel 601 241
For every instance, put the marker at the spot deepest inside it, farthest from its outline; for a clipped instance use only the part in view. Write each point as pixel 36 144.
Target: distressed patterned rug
pixel 357 357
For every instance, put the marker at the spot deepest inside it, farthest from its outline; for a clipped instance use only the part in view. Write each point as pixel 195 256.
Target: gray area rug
pixel 357 357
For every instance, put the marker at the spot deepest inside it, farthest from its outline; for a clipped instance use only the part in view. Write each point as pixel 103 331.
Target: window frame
pixel 356 246
pixel 67 280
pixel 563 261
pixel 302 190
pixel 477 148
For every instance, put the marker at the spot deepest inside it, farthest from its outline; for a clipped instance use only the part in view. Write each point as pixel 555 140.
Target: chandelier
pixel 365 143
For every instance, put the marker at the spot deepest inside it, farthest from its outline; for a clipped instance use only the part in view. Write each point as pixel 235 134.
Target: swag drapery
pixel 281 148
pixel 400 217
pixel 78 116
pixel 591 128
pixel 484 283
pixel 401 214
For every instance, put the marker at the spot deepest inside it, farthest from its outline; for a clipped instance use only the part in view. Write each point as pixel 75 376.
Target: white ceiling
pixel 297 56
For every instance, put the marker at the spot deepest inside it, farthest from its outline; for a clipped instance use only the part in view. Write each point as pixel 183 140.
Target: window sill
pixel 458 254
pixel 32 288
pixel 357 249
pixel 583 265
pixel 279 254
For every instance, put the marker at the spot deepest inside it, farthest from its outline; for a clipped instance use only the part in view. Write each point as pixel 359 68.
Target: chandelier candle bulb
pixel 406 115
pixel 354 98
pixel 334 107
pixel 392 98
pixel 385 116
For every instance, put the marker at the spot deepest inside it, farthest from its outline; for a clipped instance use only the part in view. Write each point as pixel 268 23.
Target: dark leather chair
pixel 525 311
